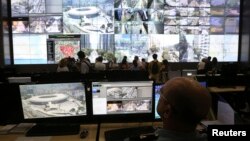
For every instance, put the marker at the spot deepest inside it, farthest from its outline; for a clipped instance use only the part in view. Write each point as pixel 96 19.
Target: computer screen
pixel 62 46
pixel 157 88
pixel 122 99
pixel 54 100
pixel 56 108
pixel 203 83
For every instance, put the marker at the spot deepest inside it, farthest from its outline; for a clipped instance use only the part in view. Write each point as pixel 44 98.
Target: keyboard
pixel 53 130
pixel 225 87
pixel 123 133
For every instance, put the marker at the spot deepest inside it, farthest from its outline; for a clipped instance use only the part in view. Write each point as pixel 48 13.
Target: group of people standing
pixel 207 66
pixel 157 70
pixel 82 64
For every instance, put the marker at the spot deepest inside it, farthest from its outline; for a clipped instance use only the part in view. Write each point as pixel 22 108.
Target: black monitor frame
pixel 60 125
pixel 10 104
pixel 155 101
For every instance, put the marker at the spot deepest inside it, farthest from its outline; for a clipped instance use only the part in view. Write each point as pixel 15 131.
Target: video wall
pixel 176 30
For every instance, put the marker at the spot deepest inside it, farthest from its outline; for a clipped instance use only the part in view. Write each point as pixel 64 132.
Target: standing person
pixel 164 71
pixel 112 65
pixel 139 63
pixel 182 105
pixel 154 69
pixel 84 64
pixel 124 63
pixel 144 64
pixel 99 66
pixel 214 65
pixel 201 66
pixel 72 64
pixel 134 66
pixel 208 65
pixel 62 65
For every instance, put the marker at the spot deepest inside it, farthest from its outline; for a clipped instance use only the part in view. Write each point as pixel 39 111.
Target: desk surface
pixel 226 89
pixel 91 137
pixel 92 128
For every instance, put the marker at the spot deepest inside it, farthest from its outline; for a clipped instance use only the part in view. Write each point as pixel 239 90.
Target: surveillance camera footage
pixel 177 30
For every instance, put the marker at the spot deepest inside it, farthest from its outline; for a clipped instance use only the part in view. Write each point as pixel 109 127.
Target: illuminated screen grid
pixel 176 30
pixel 65 99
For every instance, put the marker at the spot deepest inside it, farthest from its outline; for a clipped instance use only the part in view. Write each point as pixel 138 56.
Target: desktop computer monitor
pixel 122 101
pixel 157 88
pixel 54 104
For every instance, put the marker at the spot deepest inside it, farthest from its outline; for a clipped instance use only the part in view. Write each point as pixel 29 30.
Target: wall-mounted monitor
pixel 179 31
pixel 122 101
pixel 54 104
pixel 62 46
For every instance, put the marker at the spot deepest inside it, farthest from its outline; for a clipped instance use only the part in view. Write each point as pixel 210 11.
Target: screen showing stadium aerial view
pixel 53 100
pixel 122 97
pixel 176 30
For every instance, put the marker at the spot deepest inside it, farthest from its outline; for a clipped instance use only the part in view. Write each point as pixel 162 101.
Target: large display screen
pixel 121 98
pixel 176 30
pixel 64 100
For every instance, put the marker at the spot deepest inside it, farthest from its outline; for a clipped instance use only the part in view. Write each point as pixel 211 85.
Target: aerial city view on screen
pixel 66 49
pixel 40 101
pixel 176 30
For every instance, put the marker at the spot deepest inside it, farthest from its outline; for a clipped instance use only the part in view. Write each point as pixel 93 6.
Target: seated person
pixel 182 105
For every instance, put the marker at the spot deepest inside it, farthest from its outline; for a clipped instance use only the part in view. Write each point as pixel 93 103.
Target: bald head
pixel 184 99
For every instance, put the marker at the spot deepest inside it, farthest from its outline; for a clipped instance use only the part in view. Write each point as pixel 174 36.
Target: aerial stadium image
pixel 87 16
pixel 65 99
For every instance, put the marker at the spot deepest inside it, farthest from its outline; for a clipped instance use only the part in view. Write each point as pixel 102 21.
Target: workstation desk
pixel 93 133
